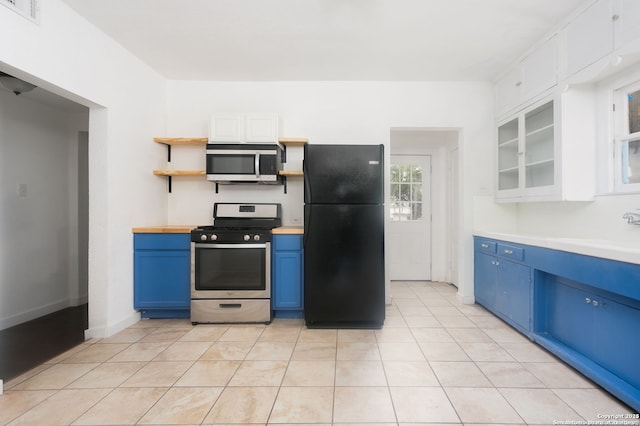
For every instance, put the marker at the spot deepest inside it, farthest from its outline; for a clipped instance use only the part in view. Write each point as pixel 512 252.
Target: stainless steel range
pixel 231 264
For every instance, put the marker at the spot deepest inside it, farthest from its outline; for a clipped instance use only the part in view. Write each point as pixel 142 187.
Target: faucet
pixel 632 217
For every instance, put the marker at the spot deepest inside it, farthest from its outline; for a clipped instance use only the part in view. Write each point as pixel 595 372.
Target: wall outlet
pixel 22 190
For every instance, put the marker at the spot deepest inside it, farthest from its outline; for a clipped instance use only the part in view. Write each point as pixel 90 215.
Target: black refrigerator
pixel 344 283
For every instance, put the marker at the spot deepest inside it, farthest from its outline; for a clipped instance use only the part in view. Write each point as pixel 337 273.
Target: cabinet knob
pixel 595 303
pixel 587 300
pixel 508 251
pixel 484 245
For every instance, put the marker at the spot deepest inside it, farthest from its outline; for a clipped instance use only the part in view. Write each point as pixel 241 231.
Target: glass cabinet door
pixel 539 146
pixel 508 167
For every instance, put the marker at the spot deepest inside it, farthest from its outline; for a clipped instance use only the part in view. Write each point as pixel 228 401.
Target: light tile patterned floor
pixel 436 361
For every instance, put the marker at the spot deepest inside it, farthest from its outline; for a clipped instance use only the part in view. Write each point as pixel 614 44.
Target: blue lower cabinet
pixel 583 309
pixel 503 286
pixel 287 277
pixel 514 295
pixel 162 271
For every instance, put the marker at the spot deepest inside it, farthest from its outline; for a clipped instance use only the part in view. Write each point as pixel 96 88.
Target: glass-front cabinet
pixel 526 154
pixel 508 158
pixel 539 152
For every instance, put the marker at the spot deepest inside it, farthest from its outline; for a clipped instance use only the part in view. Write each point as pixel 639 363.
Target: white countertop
pixel 624 251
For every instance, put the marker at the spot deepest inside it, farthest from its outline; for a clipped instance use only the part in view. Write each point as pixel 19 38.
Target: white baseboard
pixel 111 329
pixel 466 300
pixel 33 313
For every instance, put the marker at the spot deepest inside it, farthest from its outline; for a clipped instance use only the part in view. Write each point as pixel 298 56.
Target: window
pixel 627 138
pixel 26 8
pixel 406 192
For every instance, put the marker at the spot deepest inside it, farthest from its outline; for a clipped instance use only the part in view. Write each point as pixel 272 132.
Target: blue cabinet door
pixel 288 280
pixel 513 295
pixel 287 287
pixel 616 342
pixel 485 279
pixel 569 314
pixel 162 273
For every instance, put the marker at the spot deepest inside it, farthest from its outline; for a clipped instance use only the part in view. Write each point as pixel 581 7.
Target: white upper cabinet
pixel 533 75
pixel 539 70
pixel 589 37
pixel 261 128
pixel 596 40
pixel 226 128
pixel 244 128
pixel 545 151
pixel 527 154
pixel 627 22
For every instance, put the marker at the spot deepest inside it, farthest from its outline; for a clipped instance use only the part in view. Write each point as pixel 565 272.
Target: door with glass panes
pixel 410 212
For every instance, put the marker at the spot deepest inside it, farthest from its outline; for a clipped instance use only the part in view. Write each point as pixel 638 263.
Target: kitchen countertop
pixel 288 230
pixel 623 251
pixel 166 229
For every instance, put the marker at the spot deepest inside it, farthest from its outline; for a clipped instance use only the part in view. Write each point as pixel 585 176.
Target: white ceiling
pixel 264 40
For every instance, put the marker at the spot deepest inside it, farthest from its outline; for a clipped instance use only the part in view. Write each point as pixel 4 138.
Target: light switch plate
pixel 22 190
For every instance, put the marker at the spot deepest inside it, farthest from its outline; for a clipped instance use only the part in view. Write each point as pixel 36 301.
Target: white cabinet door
pixel 589 37
pixel 531 77
pixel 627 22
pixel 539 70
pixel 507 91
pixel 261 128
pixel 526 155
pixel 226 128
pixel 253 128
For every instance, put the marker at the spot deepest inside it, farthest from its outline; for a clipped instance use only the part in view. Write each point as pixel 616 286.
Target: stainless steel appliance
pixel 344 236
pixel 244 163
pixel 231 264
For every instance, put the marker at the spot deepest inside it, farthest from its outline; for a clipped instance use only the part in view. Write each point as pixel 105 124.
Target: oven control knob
pixel 213 237
pixel 246 237
pixel 203 237
pixel 256 237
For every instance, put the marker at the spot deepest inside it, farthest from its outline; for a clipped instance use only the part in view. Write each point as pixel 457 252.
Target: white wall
pixel 35 227
pixel 70 57
pixel 334 112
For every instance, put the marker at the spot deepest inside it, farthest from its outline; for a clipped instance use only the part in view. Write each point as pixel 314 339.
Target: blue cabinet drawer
pixel 486 246
pixel 510 252
pixel 287 242
pixel 162 241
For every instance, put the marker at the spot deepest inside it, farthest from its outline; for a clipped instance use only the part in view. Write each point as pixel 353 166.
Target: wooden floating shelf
pixel 291 173
pixel 181 141
pixel 293 141
pixel 179 172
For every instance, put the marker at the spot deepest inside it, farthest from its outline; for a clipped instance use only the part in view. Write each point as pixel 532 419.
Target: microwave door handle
pixel 257 164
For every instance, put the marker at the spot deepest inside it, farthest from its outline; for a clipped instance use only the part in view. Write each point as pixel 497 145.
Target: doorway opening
pixel 423 205
pixel 44 227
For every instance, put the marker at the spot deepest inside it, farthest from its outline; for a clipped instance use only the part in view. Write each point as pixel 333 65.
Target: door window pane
pixel 406 192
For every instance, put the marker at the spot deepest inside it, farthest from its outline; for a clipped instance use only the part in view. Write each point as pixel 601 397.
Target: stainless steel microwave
pixel 235 163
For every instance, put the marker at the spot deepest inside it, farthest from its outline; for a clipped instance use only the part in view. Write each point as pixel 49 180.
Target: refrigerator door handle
pixel 307 186
pixel 307 226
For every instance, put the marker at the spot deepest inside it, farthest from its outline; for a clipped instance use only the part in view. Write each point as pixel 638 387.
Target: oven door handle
pixel 229 246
